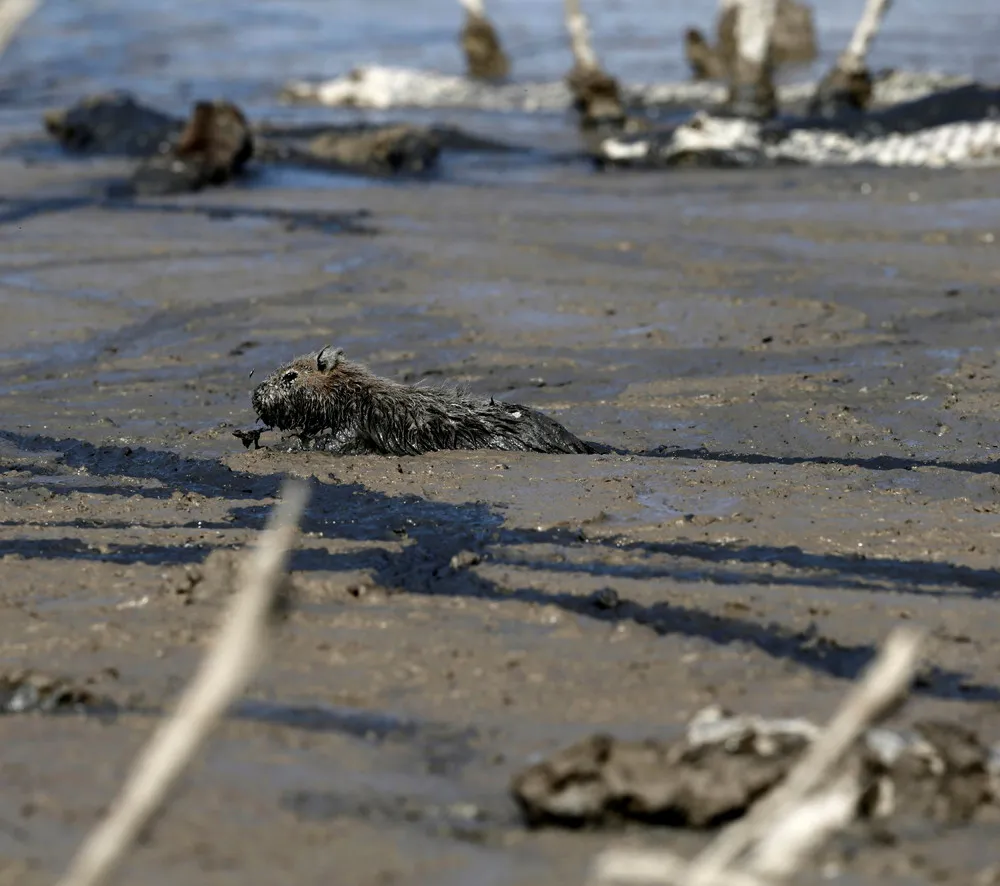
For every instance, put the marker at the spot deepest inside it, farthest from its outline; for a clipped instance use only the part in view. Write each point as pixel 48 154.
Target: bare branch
pixel 235 656
pixel 579 36
pixel 754 30
pixel 855 57
pixel 474 7
pixel 13 14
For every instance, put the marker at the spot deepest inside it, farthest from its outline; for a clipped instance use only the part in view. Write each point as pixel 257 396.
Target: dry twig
pixel 13 14
pixel 229 665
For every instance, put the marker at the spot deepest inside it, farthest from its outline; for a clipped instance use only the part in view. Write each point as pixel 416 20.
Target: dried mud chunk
pixel 212 579
pixel 944 775
pixel 392 149
pixel 596 97
pixel 940 772
pixel 112 124
pixel 485 58
pixel 842 93
pixel 213 148
pixel 602 780
pixel 23 692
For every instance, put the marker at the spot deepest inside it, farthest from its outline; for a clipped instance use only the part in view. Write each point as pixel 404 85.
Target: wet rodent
pixel 339 406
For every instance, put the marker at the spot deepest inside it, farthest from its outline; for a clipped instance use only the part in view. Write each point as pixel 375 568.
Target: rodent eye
pixel 290 376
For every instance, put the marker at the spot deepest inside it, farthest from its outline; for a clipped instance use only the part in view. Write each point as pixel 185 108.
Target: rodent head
pixel 297 396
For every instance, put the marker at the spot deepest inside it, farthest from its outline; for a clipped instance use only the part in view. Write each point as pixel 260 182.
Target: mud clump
pixel 215 144
pixel 213 148
pixel 210 148
pixel 114 124
pixel 842 93
pixel 393 149
pixel 714 774
pixel 485 58
pixel 602 781
pixel 332 404
pixel 596 98
pixel 26 691
pixel 210 580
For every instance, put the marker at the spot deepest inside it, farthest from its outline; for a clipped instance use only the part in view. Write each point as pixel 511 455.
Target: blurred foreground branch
pixel 227 668
pixel 13 14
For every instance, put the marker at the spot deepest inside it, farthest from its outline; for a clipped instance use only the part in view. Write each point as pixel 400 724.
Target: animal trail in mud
pixel 332 404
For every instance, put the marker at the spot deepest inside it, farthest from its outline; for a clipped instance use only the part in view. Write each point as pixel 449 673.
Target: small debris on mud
pixel 27 691
pixel 248 438
pixel 605 599
pixel 464 559
pixel 216 578
pixel 714 774
pixel 209 580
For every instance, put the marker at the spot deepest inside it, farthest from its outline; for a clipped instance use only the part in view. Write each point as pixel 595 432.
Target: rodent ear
pixel 328 358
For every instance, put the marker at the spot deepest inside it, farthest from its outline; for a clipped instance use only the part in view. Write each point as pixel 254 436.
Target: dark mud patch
pixel 17 211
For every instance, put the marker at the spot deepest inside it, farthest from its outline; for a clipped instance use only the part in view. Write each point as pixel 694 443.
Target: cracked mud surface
pixel 812 356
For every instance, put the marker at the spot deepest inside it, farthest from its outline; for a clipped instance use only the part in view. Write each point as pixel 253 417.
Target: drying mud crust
pixel 338 406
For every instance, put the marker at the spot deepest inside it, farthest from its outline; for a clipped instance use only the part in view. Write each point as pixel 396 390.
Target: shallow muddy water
pixel 800 364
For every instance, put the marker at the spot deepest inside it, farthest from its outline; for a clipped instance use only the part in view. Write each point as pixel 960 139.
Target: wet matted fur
pixel 339 406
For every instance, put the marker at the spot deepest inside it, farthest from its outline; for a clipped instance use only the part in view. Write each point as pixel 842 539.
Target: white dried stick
pixel 13 14
pixel 579 36
pixel 227 668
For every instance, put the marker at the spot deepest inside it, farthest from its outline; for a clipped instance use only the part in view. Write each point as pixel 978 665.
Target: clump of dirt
pixel 715 773
pixel 213 149
pixel 214 579
pixel 27 691
pixel 112 124
pixel 210 580
pixel 400 148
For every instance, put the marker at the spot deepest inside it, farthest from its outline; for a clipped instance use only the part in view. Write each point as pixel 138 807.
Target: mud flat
pixel 809 359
